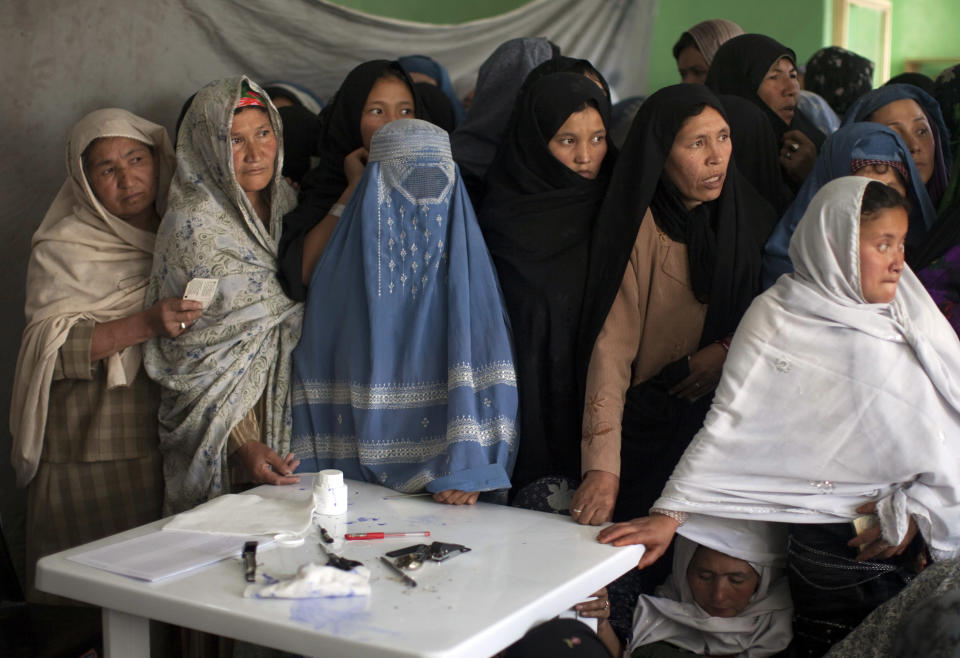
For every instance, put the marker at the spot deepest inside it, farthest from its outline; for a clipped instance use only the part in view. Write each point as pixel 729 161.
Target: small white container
pixel 330 493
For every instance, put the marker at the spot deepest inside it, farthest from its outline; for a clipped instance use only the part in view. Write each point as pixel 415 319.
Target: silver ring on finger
pixel 788 155
pixel 794 147
pixel 576 510
pixel 606 604
pixel 183 326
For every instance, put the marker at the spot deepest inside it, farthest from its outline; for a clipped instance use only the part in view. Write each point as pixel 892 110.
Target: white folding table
pixel 523 568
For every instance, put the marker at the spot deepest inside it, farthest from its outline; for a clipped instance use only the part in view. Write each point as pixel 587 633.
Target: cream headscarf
pixel 828 402
pixel 763 628
pixel 86 264
pixel 710 35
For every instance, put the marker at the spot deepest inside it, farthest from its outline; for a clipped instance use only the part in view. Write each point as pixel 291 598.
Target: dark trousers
pixel 832 592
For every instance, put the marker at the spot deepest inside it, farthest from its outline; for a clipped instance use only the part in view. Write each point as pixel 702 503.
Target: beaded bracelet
pixel 679 517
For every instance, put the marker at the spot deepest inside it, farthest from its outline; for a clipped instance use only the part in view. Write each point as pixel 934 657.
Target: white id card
pixel 201 290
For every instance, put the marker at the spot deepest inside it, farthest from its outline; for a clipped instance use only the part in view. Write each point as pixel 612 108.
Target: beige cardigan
pixel 655 320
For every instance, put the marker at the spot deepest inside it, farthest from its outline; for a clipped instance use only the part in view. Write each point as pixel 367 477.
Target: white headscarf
pixel 86 264
pixel 763 628
pixel 828 402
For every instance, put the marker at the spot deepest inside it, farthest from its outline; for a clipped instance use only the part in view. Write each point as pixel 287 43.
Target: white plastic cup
pixel 330 493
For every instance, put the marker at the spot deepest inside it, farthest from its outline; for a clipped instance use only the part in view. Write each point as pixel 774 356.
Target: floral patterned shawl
pixel 239 349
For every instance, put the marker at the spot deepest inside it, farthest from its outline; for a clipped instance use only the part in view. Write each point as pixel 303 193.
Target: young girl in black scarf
pixel 544 189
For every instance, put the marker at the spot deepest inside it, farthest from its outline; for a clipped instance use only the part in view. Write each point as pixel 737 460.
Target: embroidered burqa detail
pixel 239 349
pixel 874 100
pixel 85 264
pixel 828 402
pixel 412 384
pixel 762 629
pixel 856 141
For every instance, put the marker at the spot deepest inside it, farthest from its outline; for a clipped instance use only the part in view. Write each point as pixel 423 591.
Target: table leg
pixel 125 636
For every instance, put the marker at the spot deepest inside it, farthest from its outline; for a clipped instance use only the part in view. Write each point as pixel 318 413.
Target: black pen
pixel 400 572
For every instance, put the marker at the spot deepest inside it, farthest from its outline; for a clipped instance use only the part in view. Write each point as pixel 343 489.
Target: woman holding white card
pixel 226 380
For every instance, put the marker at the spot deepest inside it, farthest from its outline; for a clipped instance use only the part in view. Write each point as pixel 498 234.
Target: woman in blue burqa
pixel 404 375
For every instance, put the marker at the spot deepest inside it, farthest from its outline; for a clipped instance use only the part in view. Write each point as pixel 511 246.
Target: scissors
pixel 342 563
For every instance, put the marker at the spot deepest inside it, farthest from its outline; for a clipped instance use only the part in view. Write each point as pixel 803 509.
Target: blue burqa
pixel 404 375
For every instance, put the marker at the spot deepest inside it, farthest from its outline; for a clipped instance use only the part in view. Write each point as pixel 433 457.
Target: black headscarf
pixel 564 64
pixel 437 108
pixel 840 76
pixel 756 152
pixel 322 186
pixel 537 217
pixel 739 67
pixel 916 79
pixel 738 222
pixel 301 129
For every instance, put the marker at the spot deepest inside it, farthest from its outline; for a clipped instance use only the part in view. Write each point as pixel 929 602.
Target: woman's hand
pixel 706 366
pixel 797 155
pixel 456 497
pixel 598 608
pixel 873 542
pixel 354 165
pixel 655 532
pixel 264 466
pixel 595 498
pixel 166 315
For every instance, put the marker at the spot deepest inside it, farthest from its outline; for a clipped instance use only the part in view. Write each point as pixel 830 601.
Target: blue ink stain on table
pixel 341 615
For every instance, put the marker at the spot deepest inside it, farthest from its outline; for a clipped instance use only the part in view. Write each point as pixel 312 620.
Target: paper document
pixel 201 290
pixel 165 553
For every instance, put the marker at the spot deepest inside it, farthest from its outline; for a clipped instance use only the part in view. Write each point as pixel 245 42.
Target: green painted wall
pixel 803 25
pixel 924 29
pixel 443 12
pixel 921 28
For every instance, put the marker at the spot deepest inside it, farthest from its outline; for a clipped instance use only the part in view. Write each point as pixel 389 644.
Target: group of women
pixel 522 306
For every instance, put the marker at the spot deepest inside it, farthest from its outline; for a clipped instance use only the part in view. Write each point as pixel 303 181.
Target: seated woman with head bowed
pixel 763 71
pixel 839 398
pixel 727 595
pixel 412 385
pixel 675 261
pixel 83 414
pixel 226 380
pixel 373 94
pixel 732 600
pixel 544 190
pixel 916 116
pixel 862 149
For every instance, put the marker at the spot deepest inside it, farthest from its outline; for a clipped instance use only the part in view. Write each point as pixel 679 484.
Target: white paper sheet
pixel 246 514
pixel 165 553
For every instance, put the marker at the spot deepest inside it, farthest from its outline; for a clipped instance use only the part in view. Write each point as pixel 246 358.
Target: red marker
pixel 385 535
